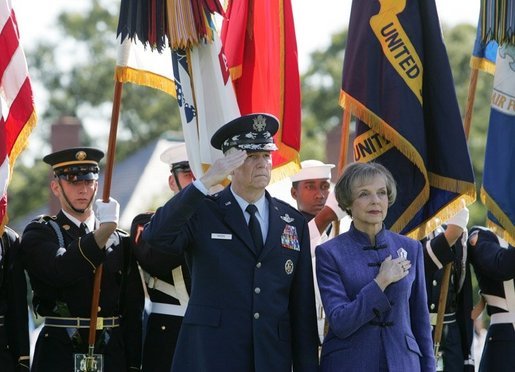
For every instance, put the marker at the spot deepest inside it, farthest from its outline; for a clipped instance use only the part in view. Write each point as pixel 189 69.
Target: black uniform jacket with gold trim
pixel 62 277
pixel 14 333
pixel 246 312
pixel 459 298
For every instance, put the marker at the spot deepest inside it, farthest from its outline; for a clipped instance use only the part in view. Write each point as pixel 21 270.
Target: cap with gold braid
pixel 253 132
pixel 75 164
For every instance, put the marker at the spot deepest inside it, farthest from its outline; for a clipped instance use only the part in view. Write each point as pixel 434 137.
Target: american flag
pixel 17 112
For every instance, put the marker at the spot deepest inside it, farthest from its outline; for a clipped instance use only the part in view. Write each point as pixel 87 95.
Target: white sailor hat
pixel 176 157
pixel 312 170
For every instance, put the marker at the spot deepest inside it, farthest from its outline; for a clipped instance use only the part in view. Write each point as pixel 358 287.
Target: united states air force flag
pixel 497 192
pixel 483 54
pixel 397 81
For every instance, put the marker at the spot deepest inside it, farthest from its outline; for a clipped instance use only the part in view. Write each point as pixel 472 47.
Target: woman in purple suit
pixel 372 284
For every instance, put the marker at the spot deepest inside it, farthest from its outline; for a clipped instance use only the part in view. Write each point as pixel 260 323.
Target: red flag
pixel 261 49
pixel 17 113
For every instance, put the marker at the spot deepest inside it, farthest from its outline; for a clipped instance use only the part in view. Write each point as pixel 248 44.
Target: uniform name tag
pixel 221 236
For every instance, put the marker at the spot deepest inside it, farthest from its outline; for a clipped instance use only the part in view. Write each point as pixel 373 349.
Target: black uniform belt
pixel 2 320
pixel 62 322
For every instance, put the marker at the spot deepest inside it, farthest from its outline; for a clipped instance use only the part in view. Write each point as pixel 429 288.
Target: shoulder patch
pixel 44 218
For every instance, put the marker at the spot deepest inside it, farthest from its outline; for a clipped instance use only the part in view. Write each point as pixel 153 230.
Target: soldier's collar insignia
pixel 66 227
pixel 228 203
pixel 286 218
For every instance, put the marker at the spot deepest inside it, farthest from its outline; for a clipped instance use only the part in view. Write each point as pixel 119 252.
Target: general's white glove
pixel 333 204
pixel 107 212
pixel 460 219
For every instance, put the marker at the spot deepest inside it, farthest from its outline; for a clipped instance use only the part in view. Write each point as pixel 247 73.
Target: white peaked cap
pixel 174 154
pixel 312 170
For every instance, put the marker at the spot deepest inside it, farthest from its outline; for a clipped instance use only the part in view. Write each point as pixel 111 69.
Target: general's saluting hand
pixel 223 167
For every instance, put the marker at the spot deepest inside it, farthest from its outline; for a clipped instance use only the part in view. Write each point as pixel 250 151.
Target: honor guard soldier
pixel 493 260
pixel 311 190
pixel 62 253
pixel 166 276
pixel 441 247
pixel 14 330
pixel 252 305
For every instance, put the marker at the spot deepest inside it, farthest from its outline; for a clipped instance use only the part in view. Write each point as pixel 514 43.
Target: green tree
pixel 77 73
pixel 85 89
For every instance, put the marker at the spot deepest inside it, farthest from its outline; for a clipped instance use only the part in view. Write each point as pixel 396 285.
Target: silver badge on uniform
pixel 286 218
pixel 288 267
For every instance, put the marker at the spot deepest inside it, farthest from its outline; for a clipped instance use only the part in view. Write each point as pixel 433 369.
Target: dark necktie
pixel 255 228
pixel 83 229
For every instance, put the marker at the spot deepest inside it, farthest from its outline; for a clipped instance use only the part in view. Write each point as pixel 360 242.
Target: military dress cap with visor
pixel 312 170
pixel 176 157
pixel 75 164
pixel 251 133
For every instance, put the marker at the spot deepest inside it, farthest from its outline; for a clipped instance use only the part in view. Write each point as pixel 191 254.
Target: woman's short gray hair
pixel 358 173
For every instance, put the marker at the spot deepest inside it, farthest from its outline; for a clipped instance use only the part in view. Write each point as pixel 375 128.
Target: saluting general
pixel 252 305
pixel 62 253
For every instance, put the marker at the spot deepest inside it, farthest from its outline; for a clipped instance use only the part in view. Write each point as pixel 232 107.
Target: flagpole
pixel 467 120
pixel 344 141
pixel 111 148
pixel 446 277
pixel 342 160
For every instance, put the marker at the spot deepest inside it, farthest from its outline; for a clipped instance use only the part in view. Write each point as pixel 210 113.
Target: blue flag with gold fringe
pixel 497 192
pixel 397 81
pixel 484 53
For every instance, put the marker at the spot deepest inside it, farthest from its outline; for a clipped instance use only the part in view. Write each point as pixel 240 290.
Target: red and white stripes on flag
pixel 17 113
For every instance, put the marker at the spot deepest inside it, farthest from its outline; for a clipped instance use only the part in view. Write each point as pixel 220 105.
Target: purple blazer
pixel 366 325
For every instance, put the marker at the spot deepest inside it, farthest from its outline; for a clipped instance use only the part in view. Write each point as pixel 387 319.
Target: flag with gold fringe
pixel 17 110
pixel 483 54
pixel 485 45
pixel 261 48
pixel 497 21
pixel 499 167
pixel 397 81
pixel 140 65
pixel 196 69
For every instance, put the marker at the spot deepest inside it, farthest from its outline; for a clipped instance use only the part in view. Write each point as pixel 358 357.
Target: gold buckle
pixel 100 323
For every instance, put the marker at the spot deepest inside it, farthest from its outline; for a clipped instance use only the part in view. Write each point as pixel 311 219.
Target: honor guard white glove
pixel 460 219
pixel 107 212
pixel 333 204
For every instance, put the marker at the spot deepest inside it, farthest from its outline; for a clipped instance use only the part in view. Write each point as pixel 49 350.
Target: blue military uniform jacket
pixel 365 323
pixel 495 271
pixel 246 312
pixel 62 281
